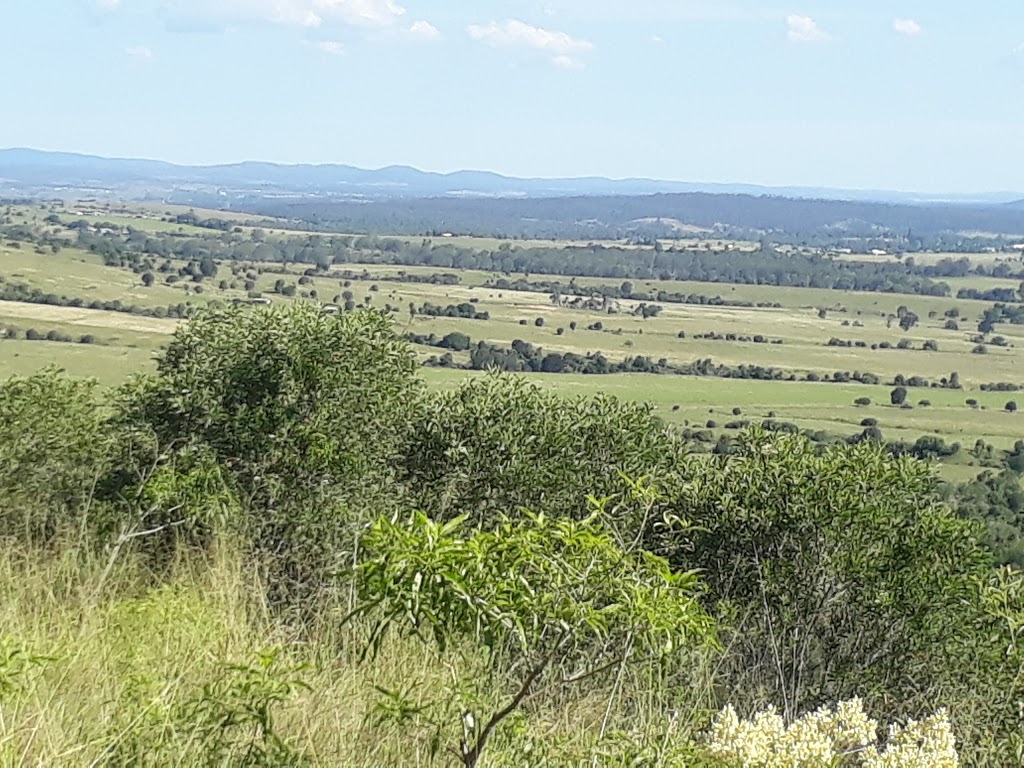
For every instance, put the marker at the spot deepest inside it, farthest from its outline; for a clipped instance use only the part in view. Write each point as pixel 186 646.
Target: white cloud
pixel 302 13
pixel 658 39
pixel 424 30
pixel 139 52
pixel 907 27
pixel 1019 50
pixel 108 5
pixel 804 29
pixel 512 33
pixel 515 33
pixel 331 47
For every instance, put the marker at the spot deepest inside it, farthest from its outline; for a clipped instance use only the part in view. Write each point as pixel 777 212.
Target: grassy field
pixel 109 365
pixel 812 405
pixel 807 319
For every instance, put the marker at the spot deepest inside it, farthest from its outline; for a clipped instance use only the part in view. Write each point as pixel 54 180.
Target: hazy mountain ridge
pixel 37 173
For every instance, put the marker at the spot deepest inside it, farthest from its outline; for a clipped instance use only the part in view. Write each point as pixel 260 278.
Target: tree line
pixel 765 266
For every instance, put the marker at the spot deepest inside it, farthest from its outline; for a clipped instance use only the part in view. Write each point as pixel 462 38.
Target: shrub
pixel 778 553
pixel 515 592
pixel 264 392
pixel 455 341
pixel 54 444
pixel 478 450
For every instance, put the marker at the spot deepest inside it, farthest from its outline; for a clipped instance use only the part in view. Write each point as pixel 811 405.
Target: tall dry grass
pixel 118 666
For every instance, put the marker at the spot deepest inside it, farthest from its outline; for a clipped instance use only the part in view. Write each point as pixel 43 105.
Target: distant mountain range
pixel 29 172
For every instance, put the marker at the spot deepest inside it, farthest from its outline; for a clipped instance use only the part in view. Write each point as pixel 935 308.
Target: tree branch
pixel 472 756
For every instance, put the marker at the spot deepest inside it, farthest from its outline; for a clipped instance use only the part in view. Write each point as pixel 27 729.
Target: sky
pixel 911 95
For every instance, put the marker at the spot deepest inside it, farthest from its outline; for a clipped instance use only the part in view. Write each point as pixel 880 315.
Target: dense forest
pixel 581 218
pixel 280 549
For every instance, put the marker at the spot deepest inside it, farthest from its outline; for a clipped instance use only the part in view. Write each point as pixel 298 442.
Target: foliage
pixel 229 721
pixel 307 411
pixel 54 445
pixel 499 443
pixel 279 435
pixel 536 592
pixel 997 500
pixel 17 662
pixel 815 618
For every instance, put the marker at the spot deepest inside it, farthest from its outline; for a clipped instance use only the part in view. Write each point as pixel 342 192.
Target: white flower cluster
pixel 844 737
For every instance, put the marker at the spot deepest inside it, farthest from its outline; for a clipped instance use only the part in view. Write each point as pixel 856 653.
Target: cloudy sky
pixel 923 95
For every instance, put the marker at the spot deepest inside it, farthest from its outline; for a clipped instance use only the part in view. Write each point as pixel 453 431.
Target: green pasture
pixel 111 366
pixel 127 342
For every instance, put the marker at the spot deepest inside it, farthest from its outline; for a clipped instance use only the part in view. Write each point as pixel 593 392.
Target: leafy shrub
pixel 54 446
pixel 228 721
pixel 776 558
pixel 308 410
pixel 517 591
pixel 499 443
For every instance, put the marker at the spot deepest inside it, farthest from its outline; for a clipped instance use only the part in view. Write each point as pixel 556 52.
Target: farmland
pixel 814 336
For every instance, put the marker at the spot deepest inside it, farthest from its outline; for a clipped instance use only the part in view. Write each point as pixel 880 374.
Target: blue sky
pixel 924 95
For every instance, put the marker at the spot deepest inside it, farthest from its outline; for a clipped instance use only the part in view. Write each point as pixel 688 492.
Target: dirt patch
pixel 91 317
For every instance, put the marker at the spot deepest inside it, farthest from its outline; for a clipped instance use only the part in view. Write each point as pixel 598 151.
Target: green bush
pixel 498 443
pixel 54 447
pixel 541 594
pixel 816 619
pixel 308 411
